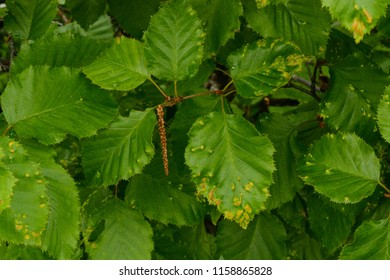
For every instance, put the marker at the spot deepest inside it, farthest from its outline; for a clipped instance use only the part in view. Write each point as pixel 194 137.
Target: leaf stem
pixel 6 130
pixel 227 85
pixel 159 89
pixel 223 104
pixel 223 71
pixel 175 87
pixel 383 186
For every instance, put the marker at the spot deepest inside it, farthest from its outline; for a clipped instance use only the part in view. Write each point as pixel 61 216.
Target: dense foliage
pixel 192 129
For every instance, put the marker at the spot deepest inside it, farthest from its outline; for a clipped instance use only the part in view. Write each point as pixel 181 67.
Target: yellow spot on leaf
pixel 35 234
pixel 27 237
pixel 266 192
pixel 247 208
pixel 11 143
pixel 237 201
pixel 18 227
pixel 229 215
pixel 248 187
pixel 358 29
pixel 368 16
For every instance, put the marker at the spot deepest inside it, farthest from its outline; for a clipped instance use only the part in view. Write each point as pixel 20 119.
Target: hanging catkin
pixel 163 137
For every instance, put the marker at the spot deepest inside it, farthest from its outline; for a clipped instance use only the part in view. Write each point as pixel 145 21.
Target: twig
pixel 314 95
pixel 318 64
pixel 305 82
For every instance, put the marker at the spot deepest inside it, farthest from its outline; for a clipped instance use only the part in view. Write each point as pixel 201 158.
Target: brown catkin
pixel 163 137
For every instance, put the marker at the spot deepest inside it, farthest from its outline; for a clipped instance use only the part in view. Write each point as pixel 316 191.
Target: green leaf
pixel 371 242
pixel 184 243
pixel 59 50
pixel 125 234
pixel 29 19
pixel 174 42
pixel 264 239
pixel 305 248
pixel 358 16
pixel 101 29
pixel 283 135
pixel 47 104
pixel 7 183
pixel 304 22
pixel 342 167
pixel 162 199
pixel 86 12
pixel 187 113
pixel 120 151
pixel 231 165
pixel 261 68
pixel 25 220
pixel 331 223
pixel 222 21
pixel 63 228
pixel 134 15
pixel 353 96
pixel 384 115
pixel 122 67
pixel 21 252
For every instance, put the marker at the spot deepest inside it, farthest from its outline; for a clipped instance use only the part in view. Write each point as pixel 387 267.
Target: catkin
pixel 163 137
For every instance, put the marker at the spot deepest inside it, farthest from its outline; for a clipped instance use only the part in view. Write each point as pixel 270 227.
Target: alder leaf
pixel 331 223
pixel 184 243
pixel 174 42
pixel 261 68
pixel 162 200
pixel 371 242
pixel 101 29
pixel 120 151
pixel 264 239
pixel 49 103
pixel 384 115
pixel 7 183
pixel 342 167
pixel 86 12
pixel 122 67
pixel 124 233
pixel 358 16
pixel 62 49
pixel 63 228
pixel 231 165
pixel 25 220
pixel 134 15
pixel 283 135
pixel 303 22
pixel 356 86
pixel 222 20
pixel 29 19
